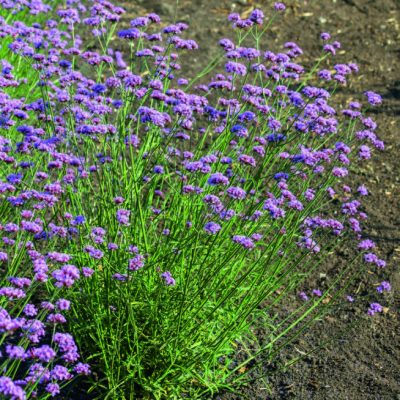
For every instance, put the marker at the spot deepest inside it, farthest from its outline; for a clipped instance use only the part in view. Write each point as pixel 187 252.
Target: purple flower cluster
pixel 212 228
pixel 34 355
pixel 244 241
pixel 168 279
pixel 374 308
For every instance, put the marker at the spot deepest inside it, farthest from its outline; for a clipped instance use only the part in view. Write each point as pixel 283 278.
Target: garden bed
pixel 169 238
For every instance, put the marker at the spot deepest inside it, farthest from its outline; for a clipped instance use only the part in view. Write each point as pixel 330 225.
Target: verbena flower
pixel 279 6
pixel 373 98
pixel 212 228
pixel 168 279
pixel 374 308
pixel 384 287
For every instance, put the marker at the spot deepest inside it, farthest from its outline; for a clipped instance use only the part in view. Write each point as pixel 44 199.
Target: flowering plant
pixel 157 218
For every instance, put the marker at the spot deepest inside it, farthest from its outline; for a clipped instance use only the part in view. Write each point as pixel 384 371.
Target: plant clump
pixel 149 220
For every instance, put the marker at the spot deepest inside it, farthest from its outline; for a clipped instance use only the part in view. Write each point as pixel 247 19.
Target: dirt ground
pixel 364 362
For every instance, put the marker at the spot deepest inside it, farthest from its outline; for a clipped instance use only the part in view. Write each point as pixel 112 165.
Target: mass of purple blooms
pixel 131 195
